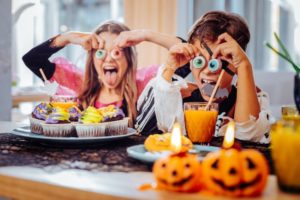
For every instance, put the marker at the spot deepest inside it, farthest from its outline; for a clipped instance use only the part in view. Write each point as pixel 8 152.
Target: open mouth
pixel 207 87
pixel 178 183
pixel 110 74
pixel 206 81
pixel 239 186
pixel 110 70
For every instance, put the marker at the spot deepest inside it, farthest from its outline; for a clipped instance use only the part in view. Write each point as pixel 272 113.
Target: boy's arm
pixel 247 102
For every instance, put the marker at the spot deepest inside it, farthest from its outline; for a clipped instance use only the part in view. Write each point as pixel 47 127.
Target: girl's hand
pixel 130 38
pixel 88 41
pixel 180 54
pixel 228 49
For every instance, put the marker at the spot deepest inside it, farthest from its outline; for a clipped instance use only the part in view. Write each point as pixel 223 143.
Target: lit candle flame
pixel 176 138
pixel 229 135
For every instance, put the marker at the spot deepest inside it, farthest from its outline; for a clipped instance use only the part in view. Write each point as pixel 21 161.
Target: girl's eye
pixel 116 53
pixel 214 65
pixel 100 54
pixel 199 62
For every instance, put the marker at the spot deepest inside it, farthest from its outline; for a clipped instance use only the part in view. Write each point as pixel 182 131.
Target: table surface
pixel 34 171
pixel 28 94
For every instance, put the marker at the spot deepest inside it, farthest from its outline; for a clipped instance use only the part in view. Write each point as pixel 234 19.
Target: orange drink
pixel 200 123
pixel 285 148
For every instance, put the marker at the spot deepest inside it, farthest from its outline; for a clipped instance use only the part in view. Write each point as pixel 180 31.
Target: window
pixel 263 16
pixel 34 21
pixel 37 20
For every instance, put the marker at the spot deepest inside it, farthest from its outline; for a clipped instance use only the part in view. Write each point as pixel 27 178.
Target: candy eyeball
pixel 116 53
pixel 199 62
pixel 100 54
pixel 214 65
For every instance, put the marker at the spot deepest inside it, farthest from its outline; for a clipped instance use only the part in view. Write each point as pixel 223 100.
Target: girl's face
pixel 110 63
pixel 206 79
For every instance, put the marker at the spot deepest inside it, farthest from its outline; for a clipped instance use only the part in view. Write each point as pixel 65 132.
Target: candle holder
pixel 233 171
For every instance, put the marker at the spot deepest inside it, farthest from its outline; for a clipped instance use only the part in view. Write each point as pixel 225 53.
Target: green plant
pixel 285 54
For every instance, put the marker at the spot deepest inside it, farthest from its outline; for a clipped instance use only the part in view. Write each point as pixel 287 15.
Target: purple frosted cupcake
pixel 75 114
pixel 38 116
pixel 115 121
pixel 57 124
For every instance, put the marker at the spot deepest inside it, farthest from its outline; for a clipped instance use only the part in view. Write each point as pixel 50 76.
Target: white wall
pixel 279 86
pixel 5 60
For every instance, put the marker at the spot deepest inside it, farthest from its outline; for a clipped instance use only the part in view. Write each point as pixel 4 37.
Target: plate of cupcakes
pixel 52 123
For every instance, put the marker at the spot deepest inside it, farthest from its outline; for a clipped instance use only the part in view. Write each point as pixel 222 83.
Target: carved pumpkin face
pixel 178 172
pixel 235 173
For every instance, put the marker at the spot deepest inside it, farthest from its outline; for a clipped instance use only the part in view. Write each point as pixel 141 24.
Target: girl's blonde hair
pixel 92 85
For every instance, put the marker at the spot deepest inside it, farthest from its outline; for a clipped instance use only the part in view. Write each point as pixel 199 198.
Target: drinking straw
pixel 43 74
pixel 50 88
pixel 215 90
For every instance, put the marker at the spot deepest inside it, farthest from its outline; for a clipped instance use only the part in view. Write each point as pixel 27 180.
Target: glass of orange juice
pixel 200 123
pixel 63 101
pixel 285 148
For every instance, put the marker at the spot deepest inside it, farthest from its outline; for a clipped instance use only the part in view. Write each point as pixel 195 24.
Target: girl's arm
pixel 134 37
pixel 38 57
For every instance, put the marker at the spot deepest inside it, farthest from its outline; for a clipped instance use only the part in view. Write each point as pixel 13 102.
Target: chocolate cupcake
pixel 115 121
pixel 57 124
pixel 38 116
pixel 90 123
pixel 75 114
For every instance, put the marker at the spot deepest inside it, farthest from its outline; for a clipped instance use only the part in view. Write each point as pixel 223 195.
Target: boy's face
pixel 206 79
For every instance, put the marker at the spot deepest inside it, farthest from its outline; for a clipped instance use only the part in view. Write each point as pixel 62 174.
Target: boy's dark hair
pixel 214 23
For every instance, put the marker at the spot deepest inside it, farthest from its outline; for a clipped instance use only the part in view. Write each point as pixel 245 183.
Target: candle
pixel 229 135
pixel 176 143
pixel 179 171
pixel 233 171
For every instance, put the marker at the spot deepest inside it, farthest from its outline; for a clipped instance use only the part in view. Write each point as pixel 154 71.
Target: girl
pixel 110 71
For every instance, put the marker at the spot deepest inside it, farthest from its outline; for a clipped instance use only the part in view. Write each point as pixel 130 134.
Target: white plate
pixel 27 134
pixel 140 153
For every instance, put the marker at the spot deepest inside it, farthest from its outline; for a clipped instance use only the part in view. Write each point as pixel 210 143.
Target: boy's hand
pixel 130 38
pixel 228 49
pixel 180 54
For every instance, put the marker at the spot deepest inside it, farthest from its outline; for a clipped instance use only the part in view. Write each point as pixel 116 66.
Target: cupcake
pixel 90 123
pixel 57 124
pixel 116 122
pixel 63 101
pixel 38 116
pixel 162 142
pixel 75 114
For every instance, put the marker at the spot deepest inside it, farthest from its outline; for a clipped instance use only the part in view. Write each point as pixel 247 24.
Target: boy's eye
pixel 214 65
pixel 199 62
pixel 100 54
pixel 116 53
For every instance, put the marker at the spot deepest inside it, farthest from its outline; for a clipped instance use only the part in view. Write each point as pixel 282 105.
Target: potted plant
pixel 285 55
pixel 285 142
